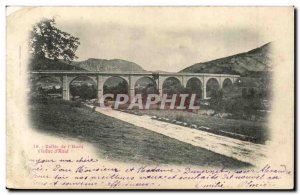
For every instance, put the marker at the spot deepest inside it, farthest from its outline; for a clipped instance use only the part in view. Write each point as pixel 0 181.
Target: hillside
pixel 103 65
pixel 256 62
pixel 48 64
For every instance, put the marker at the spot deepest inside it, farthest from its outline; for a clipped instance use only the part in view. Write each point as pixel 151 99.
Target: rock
pixel 193 126
pixel 202 127
pixel 224 115
pixel 210 112
pixel 178 122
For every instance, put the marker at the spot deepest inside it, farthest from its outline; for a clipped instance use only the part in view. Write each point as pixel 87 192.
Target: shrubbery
pixel 241 107
pixel 41 99
pixel 83 91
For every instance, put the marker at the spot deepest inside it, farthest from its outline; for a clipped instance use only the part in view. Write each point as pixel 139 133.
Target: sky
pixel 164 39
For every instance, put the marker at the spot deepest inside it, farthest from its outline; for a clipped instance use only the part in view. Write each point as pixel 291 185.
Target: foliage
pixel 121 88
pixel 48 41
pixel 155 76
pixel 244 106
pixel 84 91
pixel 76 104
pixel 54 90
pixel 216 100
pixel 172 86
pixel 39 99
pixel 194 86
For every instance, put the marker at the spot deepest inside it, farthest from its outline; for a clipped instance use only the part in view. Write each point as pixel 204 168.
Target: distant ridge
pixel 92 64
pixel 256 62
pixel 103 65
pixel 36 64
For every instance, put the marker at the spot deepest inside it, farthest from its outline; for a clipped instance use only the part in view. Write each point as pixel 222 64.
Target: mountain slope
pixel 101 65
pixel 256 62
pixel 38 64
pixel 114 65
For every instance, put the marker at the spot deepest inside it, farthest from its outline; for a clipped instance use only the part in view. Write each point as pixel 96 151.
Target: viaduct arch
pixel 66 77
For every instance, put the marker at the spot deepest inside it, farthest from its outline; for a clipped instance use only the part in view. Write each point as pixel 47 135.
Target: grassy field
pixel 254 131
pixel 117 140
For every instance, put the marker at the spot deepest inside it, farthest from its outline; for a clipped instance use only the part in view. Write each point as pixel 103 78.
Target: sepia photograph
pixel 198 98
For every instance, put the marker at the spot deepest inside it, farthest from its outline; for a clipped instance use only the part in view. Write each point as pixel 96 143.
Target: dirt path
pixel 240 150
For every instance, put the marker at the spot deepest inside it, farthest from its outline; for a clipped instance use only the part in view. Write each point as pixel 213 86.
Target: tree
pixel 216 100
pixel 48 41
pixel 155 76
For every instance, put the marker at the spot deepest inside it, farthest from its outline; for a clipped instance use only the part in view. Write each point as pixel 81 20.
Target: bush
pixel 216 101
pixel 76 104
pixel 39 99
pixel 243 107
pixel 83 91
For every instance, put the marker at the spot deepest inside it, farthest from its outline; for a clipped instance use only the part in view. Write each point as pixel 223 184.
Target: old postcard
pixel 150 98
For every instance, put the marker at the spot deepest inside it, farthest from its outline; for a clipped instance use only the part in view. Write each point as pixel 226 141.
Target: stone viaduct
pixel 66 77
